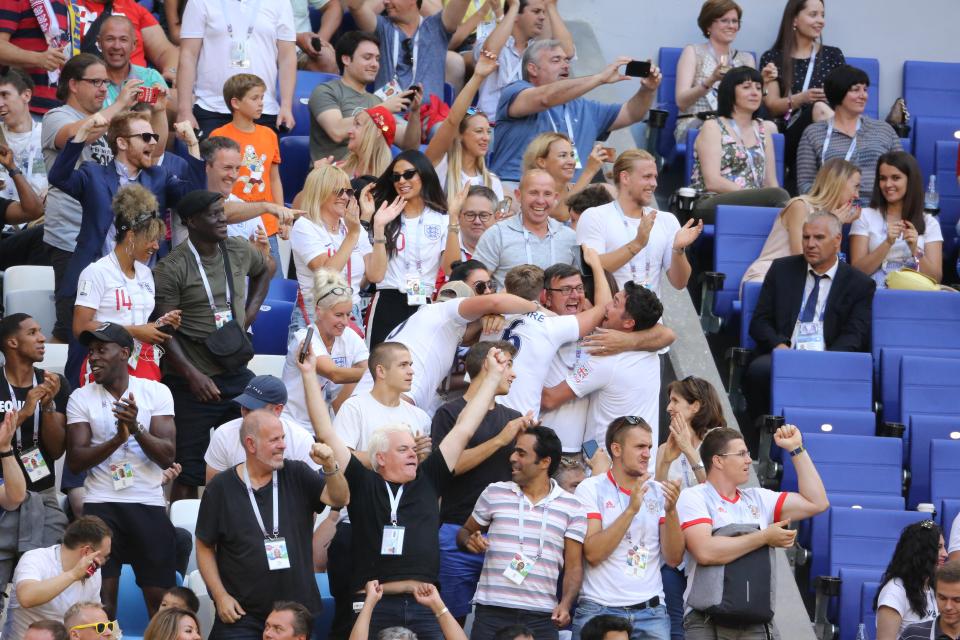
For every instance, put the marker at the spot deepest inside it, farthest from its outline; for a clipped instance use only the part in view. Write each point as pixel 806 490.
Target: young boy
pixel 259 176
pixel 181 598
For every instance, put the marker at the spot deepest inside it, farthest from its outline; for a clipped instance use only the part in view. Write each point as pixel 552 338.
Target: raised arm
pixel 812 496
pixel 317 409
pixel 33 593
pixel 494 304
pixel 450 127
pixel 453 14
pixel 635 109
pixel 187 78
pixel 679 272
pixel 538 99
pixel 363 14
pixel 591 318
pixel 361 627
pixel 558 29
pixel 501 33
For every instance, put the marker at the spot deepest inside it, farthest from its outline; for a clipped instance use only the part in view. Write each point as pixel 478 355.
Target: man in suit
pixel 809 302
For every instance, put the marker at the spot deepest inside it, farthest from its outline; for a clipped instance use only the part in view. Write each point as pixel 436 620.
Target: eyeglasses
pixel 406 175
pixel 99 83
pixel 99 626
pixel 567 290
pixel 337 291
pixel 729 22
pixel 739 454
pixel 146 137
pixel 483 286
pixel 473 216
pixel 346 191
pixel 407 46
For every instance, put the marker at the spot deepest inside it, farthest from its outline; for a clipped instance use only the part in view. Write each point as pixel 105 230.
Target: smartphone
pixel 306 344
pixel 148 94
pixel 504 207
pixel 638 68
pixel 415 87
pixel 283 128
pixel 92 569
pixel 316 43
pixel 589 448
pixel 611 153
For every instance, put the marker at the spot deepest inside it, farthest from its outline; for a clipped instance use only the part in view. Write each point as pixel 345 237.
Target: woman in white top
pixel 406 246
pixel 341 352
pixel 119 286
pixel 895 232
pixel 554 153
pixel 906 593
pixel 459 146
pixel 328 236
pixel 695 410
pixel 702 66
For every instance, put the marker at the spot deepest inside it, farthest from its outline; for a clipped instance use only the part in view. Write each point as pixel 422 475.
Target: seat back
pixel 183 514
pixel 945 168
pixel 848 607
pixel 876 468
pixel 944 470
pixel 929 386
pixel 927 131
pixel 823 379
pixel 206 613
pixel 949 511
pixel 323 624
pixel 295 151
pixel 283 289
pixel 889 375
pixel 263 364
pixel 39 304
pixel 31 277
pixel 748 302
pixel 868 593
pixel 271 327
pixel 914 319
pixel 666 96
pixel 778 151
pixel 923 430
pixel 871 66
pixel 850 422
pixel 740 235
pixel 932 88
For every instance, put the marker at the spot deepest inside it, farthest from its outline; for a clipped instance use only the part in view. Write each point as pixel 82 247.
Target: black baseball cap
pixel 108 332
pixel 195 202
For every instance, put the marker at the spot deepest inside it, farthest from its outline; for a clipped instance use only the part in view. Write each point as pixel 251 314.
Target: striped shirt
pixel 18 19
pixel 559 515
pixel 874 139
pixel 925 631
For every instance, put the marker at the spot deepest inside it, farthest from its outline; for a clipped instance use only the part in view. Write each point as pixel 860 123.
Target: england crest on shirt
pixel 432 231
pixel 340 361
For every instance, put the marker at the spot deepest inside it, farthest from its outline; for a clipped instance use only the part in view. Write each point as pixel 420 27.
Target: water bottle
pixel 931 200
pixel 862 632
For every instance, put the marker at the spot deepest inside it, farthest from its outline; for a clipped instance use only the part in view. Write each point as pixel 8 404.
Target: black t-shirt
pixel 460 495
pixel 23 439
pixel 226 520
pixel 4 205
pixel 417 513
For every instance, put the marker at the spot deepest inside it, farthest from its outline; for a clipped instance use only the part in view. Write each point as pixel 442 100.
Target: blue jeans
pixel 403 610
pixel 648 624
pixel 459 572
pixel 674 584
pixel 275 254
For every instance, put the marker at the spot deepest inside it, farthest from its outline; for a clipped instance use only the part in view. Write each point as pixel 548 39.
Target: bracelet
pixel 379 241
pixel 138 430
pixel 336 470
pixel 442 611
pixel 630 249
pixel 6 454
pixel 453 228
pixel 797 451
pixel 698 467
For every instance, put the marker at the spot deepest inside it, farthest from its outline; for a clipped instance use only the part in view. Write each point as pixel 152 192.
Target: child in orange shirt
pixel 259 175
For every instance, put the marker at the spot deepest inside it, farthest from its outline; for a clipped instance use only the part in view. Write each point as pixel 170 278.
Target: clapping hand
pixel 486 64
pixel 910 236
pixel 687 234
pixel 7 428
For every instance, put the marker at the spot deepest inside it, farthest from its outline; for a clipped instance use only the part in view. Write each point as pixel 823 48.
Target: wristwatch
pixel 137 430
pixel 13 173
pixel 797 451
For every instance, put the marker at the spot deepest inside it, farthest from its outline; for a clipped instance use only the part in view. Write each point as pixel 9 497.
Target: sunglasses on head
pixel 346 191
pixel 484 286
pixel 146 137
pixel 406 175
pixel 99 626
pixel 337 291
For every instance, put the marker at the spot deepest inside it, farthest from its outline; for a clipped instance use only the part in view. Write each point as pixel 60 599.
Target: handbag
pixel 899 117
pixel 230 344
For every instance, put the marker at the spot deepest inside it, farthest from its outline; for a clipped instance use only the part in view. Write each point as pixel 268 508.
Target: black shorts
pixel 143 537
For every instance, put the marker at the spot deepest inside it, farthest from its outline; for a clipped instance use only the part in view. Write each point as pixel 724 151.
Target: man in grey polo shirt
pixel 531 237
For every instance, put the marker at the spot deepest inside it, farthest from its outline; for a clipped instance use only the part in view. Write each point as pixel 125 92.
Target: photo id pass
pixel 238 55
pixel 35 465
pixel 392 544
pixel 276 550
pixel 416 291
pixel 637 557
pixel 222 317
pixel 519 567
pixel 122 475
pixel 810 336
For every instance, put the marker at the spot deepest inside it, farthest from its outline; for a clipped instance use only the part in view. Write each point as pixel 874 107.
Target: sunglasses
pixel 406 175
pixel 346 191
pixel 407 46
pixel 99 626
pixel 337 291
pixel 146 137
pixel 482 287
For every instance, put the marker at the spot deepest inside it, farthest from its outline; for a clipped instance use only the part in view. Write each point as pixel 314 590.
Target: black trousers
pixel 388 310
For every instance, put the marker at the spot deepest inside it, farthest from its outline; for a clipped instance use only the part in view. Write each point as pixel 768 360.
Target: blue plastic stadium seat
pixel 889 375
pixel 740 234
pixel 929 386
pixel 323 624
pixel 131 609
pixel 282 290
pixel 872 68
pixel 848 422
pixel 932 88
pixel 862 465
pixel 295 153
pixel 306 82
pixel 667 100
pixel 945 167
pixel 778 142
pixel 751 293
pixel 914 319
pixel 944 470
pixel 823 379
pixel 927 131
pixel 270 328
pixel 868 593
pixel 848 607
pixel 948 511
pixel 923 430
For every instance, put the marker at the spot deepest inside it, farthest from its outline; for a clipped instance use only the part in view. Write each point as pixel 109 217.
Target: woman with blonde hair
pixel 173 624
pixel 341 352
pixel 119 286
pixel 368 142
pixel 836 189
pixel 554 153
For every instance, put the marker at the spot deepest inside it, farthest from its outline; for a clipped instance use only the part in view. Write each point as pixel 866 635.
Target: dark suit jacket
pixel 94 186
pixel 846 318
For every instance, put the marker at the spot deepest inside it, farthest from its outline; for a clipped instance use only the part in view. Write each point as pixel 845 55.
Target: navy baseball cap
pixel 261 391
pixel 108 332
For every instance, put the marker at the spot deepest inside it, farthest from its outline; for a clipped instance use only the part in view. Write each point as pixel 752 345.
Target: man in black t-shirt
pixel 39 399
pixel 253 555
pixel 395 536
pixel 486 460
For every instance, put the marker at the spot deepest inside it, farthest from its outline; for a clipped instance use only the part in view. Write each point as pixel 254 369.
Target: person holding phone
pixel 117 40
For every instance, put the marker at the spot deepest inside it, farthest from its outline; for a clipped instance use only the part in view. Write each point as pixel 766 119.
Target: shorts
pixel 143 537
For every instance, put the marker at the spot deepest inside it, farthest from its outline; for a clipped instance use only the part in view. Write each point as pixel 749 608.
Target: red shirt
pixel 89 10
pixel 18 19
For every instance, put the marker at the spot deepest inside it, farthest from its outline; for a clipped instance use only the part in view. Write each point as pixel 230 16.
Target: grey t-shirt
pixel 62 218
pixel 428 49
pixel 334 95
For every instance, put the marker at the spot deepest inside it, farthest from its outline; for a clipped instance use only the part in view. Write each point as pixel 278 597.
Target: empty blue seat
pixel 295 153
pixel 283 290
pixel 131 608
pixel 740 234
pixel 889 374
pixel 862 465
pixel 848 605
pixel 667 100
pixel 778 142
pixel 944 470
pixel 929 386
pixel 306 82
pixel 932 88
pixel 924 429
pixel 945 168
pixel 750 293
pixel 914 319
pixel 871 66
pixel 948 510
pixel 927 131
pixel 849 422
pixel 321 627
pixel 822 379
pixel 868 593
pixel 271 326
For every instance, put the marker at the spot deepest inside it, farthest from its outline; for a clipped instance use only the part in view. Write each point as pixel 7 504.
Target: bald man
pixel 118 40
pixel 531 237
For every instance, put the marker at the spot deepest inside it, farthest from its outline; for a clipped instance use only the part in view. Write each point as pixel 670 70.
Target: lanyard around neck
pixel 394 502
pixel 36 410
pixel 826 141
pixel 813 62
pixel 526 243
pixel 414 54
pixel 256 509
pixel 626 228
pixel 206 283
pixel 566 117
pixel 643 527
pixel 418 259
pixel 543 522
pixel 756 175
pixel 249 16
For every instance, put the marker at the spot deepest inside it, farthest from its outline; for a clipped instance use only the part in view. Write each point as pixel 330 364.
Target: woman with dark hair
pixel 794 70
pixel 848 134
pixel 475 275
pixel 733 156
pixel 173 624
pixel 413 240
pixel 702 66
pixel 894 232
pixel 906 589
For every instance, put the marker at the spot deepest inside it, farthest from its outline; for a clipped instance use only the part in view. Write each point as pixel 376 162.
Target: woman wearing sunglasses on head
pixel 410 232
pixel 341 352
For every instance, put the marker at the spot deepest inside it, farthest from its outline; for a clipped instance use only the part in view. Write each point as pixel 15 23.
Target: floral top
pixel 745 166
pixel 706 63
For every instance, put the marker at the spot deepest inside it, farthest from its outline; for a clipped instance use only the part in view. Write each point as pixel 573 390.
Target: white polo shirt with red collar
pixel 631 574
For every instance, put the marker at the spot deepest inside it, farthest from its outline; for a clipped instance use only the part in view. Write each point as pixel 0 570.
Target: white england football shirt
pixel 569 420
pixel 537 337
pixel 421 242
pixel 116 298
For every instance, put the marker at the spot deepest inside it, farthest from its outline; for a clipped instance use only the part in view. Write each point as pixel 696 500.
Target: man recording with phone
pixel 117 40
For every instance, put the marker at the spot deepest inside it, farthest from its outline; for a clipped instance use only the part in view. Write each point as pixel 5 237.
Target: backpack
pixel 741 592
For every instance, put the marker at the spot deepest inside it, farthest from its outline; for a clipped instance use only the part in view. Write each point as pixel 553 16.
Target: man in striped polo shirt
pixel 945 626
pixel 534 529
